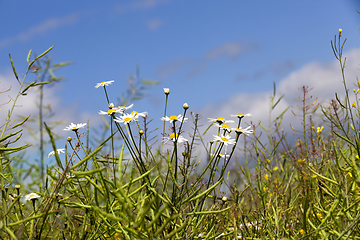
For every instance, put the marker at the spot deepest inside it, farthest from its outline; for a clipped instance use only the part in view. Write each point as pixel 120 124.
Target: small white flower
pixel 224 126
pixel 186 106
pixel 74 127
pixel 245 131
pixel 171 137
pixel 225 139
pixel 52 153
pixel 32 196
pixel 123 108
pixel 174 118
pixel 167 91
pixel 137 114
pixel 220 120
pixel 112 110
pixel 126 118
pixel 109 112
pixel 241 115
pixel 104 83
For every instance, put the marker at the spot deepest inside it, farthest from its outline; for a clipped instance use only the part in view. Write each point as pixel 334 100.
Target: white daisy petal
pixel 174 118
pixel 52 153
pixel 32 196
pixel 74 127
pixel 220 120
pixel 104 83
pixel 224 139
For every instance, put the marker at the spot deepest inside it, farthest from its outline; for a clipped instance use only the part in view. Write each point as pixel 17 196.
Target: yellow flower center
pixel 122 107
pixel 224 139
pixel 173 118
pixel 240 115
pixel 111 111
pixel 173 135
pixel 127 119
pixel 102 82
pixel 32 195
pixel 74 127
pixel 220 120
pixel 134 112
pixel 226 126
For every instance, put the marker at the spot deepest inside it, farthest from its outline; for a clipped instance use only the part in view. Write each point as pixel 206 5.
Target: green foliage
pixel 123 187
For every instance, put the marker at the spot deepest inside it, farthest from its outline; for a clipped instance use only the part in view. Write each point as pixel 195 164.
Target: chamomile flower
pixel 245 131
pixel 104 83
pixel 123 108
pixel 172 137
pixel 32 196
pixel 74 127
pixel 137 115
pixel 241 115
pixel 224 139
pixel 112 110
pixel 220 120
pixel 126 118
pixel 174 118
pixel 52 153
pixel 224 126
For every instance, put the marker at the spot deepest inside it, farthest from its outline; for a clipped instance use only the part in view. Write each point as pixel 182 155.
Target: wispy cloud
pixel 229 50
pixel 138 5
pixel 279 69
pixel 166 70
pixel 43 27
pixel 154 24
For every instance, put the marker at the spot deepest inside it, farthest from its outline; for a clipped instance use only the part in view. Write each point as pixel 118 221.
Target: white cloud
pixel 43 27
pixel 324 78
pixel 28 105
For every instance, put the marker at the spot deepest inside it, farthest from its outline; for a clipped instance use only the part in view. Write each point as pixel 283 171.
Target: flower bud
pixel 167 91
pixel 186 106
pixel 69 139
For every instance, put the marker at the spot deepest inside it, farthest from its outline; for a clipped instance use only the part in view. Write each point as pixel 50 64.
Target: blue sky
pixel 218 56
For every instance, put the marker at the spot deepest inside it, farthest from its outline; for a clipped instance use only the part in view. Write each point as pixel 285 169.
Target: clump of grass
pixel 125 187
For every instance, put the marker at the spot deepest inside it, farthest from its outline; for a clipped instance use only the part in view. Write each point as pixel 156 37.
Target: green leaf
pixel 15 149
pixel 149 82
pixel 262 126
pixel 20 123
pixel 33 84
pixel 28 56
pixel 13 67
pixel 120 160
pixel 82 174
pixel 345 139
pixel 10 135
pixel 41 55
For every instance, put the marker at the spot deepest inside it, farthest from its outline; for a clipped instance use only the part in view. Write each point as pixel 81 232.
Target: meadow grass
pixel 130 184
